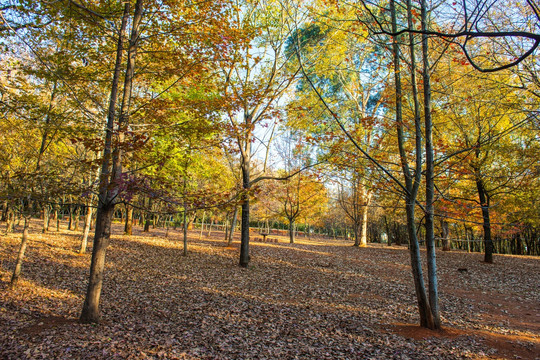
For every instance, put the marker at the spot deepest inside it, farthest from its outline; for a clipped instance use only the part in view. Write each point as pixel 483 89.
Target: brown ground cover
pixel 317 299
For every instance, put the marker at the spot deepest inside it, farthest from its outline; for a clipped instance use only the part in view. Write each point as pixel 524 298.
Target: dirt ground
pixel 316 299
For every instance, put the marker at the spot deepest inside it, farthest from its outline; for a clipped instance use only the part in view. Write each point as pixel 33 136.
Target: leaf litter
pixel 316 299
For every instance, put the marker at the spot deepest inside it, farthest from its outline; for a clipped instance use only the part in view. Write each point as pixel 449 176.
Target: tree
pixel 254 82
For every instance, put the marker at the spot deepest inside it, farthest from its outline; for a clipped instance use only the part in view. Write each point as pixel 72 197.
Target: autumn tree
pixel 255 81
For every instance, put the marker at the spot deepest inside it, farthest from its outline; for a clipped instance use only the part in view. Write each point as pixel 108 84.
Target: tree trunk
pixel 233 225
pixel 87 221
pixel 202 225
pixel 426 317
pixel 444 235
pixel 484 203
pixel 244 235
pixel 210 227
pixel 148 222
pixel 5 207
pixel 185 230
pixel 128 227
pixel 91 312
pixel 46 218
pixel 57 216
pixel 20 256
pixel 70 221
pixel 291 231
pixel 356 234
pixel 10 221
pixel 430 187
pixel 227 226
pixel 363 239
pixel 77 215
pixel 412 180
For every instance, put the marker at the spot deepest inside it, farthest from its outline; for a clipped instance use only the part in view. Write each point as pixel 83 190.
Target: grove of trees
pixel 408 122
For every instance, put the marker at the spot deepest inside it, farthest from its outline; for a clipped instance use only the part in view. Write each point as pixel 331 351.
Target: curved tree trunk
pixel 20 256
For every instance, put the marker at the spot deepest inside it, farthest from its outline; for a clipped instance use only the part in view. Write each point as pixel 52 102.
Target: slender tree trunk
pixel 484 203
pixel 77 216
pixel 444 234
pixel 426 317
pixel 412 180
pixel 210 227
pixel 46 218
pixel 128 227
pixel 227 226
pixel 233 225
pixel 149 219
pixel 185 230
pixel 202 225
pixel 87 222
pixel 430 187
pixel 70 213
pixel 291 231
pixel 365 210
pixel 244 236
pixel 57 216
pixel 90 312
pixel 10 222
pixel 5 207
pixel 20 255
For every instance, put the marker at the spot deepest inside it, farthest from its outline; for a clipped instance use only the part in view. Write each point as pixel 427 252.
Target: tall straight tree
pixel 111 167
pixel 429 173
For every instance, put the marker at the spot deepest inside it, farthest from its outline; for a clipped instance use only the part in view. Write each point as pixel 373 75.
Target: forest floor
pixel 316 299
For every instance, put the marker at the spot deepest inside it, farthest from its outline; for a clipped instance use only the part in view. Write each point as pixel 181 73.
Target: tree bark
pixel 128 227
pixel 10 222
pixel 426 316
pixel 233 225
pixel 484 203
pixel 444 235
pixel 291 231
pixel 87 222
pixel 185 229
pixel 244 235
pixel 365 210
pixel 20 255
pixel 202 225
pixel 91 312
pixel 76 218
pixel 46 218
